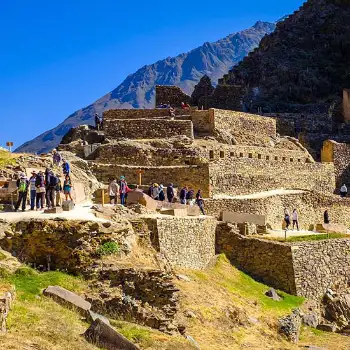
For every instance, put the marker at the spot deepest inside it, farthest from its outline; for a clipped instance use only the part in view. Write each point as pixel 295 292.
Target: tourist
pixel 326 217
pixel 32 189
pixel 343 191
pixel 22 186
pixel 58 190
pixel 113 190
pixel 101 122
pixel 51 190
pixel 97 121
pixel 155 192
pixel 150 190
pixel 295 218
pixel 183 195
pixel 123 190
pixel 287 218
pixel 47 185
pixel 190 197
pixel 200 202
pixel 65 167
pixel 40 191
pixel 56 158
pixel 170 193
pixel 161 193
pixel 67 187
pixel 185 106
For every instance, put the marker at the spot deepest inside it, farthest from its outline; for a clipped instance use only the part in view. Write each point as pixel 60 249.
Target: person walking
pixel 155 192
pixel 200 202
pixel 22 186
pixel 58 190
pixel 295 218
pixel 183 195
pixel 326 217
pixel 190 197
pixel 287 218
pixel 51 190
pixel 170 193
pixel 67 187
pixel 161 193
pixel 65 167
pixel 32 189
pixel 122 189
pixel 56 157
pixel 343 191
pixel 113 190
pixel 40 191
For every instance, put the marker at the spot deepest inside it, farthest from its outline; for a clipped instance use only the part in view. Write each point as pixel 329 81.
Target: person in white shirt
pixel 343 191
pixel 295 218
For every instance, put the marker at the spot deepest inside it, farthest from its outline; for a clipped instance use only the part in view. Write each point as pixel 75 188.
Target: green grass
pixel 30 283
pixel 248 288
pixel 134 333
pixel 108 248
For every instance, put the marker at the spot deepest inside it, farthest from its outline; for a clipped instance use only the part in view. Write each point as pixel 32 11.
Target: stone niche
pixel 186 242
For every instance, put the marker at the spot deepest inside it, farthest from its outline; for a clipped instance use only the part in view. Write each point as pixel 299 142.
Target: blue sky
pixel 59 56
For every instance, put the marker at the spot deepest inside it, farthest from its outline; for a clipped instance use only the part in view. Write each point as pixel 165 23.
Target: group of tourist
pixel 120 188
pixel 44 187
pixel 294 216
pixel 172 110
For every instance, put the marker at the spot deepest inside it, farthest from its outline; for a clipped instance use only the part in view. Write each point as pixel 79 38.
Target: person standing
pixel 161 193
pixel 40 191
pixel 65 167
pixel 326 217
pixel 122 189
pixel 51 189
pixel 287 218
pixel 67 187
pixel 295 218
pixel 97 121
pixel 343 191
pixel 170 193
pixel 155 192
pixel 56 157
pixel 190 197
pixel 113 190
pixel 22 186
pixel 183 195
pixel 200 202
pixel 32 189
pixel 58 190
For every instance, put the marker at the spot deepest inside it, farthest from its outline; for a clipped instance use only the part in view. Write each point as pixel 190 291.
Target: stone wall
pixel 147 128
pixel 339 154
pixel 135 114
pixel 185 242
pixel 194 176
pixel 305 269
pixel 246 129
pixel 238 176
pixel 172 95
pixel 310 206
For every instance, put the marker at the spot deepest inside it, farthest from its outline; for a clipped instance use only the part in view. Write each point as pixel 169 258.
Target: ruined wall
pixel 147 128
pixel 172 95
pixel 135 114
pixel 246 129
pixel 339 154
pixel 237 176
pixel 194 176
pixel 185 242
pixel 310 206
pixel 201 122
pixel 321 265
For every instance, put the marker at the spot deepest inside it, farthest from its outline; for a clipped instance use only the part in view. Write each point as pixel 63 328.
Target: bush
pixel 108 248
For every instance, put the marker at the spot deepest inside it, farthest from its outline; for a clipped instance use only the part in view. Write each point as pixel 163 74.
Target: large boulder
pixel 290 325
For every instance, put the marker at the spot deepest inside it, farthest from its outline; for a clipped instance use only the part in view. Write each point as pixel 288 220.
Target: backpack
pixel 53 181
pixel 22 185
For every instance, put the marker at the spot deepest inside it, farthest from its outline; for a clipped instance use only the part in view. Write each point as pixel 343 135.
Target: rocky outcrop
pixel 201 92
pixel 290 326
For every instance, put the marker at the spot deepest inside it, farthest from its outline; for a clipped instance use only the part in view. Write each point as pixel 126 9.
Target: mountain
pixel 184 70
pixel 305 62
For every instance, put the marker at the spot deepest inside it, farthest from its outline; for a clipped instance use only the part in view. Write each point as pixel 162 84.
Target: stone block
pixel 56 210
pixel 103 335
pixel 175 212
pixel 69 299
pixel 68 205
pixel 241 218
pixel 193 210
pixel 271 293
pixel 331 228
pixel 327 327
pixel 138 197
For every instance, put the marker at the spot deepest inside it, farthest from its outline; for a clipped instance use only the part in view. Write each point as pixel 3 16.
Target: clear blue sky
pixel 59 56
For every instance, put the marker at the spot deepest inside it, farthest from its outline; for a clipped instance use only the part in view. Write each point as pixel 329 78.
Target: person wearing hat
pixel 161 193
pixel 58 190
pixel 40 190
pixel 56 157
pixel 32 189
pixel 22 186
pixel 65 167
pixel 155 192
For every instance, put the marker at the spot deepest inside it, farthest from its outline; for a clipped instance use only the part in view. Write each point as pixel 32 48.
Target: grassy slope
pixel 36 322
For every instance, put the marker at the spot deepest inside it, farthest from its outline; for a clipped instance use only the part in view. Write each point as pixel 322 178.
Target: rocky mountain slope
pixel 137 90
pixel 305 61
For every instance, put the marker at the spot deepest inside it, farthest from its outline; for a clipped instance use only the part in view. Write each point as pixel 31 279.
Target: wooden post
pixel 140 172
pixel 103 197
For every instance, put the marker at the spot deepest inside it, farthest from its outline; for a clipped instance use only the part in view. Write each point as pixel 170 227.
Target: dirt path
pixel 258 195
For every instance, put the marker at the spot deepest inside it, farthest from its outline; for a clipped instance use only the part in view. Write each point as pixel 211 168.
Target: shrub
pixel 108 248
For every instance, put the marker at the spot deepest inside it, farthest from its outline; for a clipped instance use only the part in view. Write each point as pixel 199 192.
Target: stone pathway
pixel 266 194
pixel 80 212
pixel 290 233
